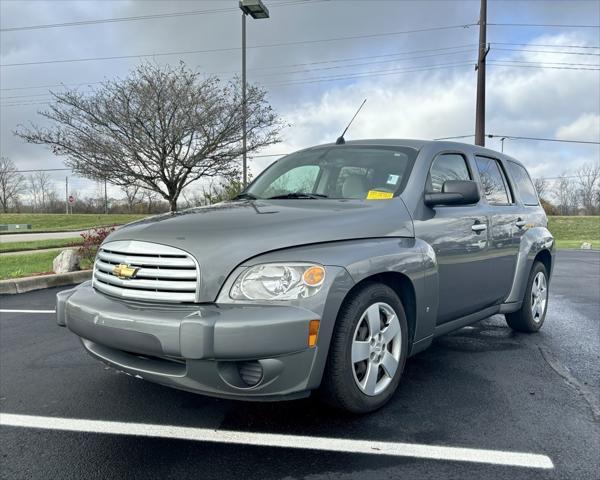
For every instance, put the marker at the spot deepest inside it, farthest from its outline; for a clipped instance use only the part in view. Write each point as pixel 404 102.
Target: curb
pixel 70 230
pixel 27 284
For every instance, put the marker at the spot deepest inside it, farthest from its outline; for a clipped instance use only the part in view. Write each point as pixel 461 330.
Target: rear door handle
pixel 520 223
pixel 479 227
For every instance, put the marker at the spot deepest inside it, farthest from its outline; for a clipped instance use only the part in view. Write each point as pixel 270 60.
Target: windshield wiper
pixel 293 195
pixel 245 196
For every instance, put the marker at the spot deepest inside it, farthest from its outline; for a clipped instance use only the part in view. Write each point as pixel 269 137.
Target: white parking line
pixel 494 457
pixel 26 311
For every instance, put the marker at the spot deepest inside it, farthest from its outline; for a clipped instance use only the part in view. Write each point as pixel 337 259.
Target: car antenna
pixel 340 140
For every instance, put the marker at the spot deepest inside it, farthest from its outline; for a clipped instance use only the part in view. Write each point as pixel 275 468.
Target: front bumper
pixel 204 348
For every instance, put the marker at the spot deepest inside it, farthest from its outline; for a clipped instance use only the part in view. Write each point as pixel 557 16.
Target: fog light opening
pixel 251 372
pixel 313 332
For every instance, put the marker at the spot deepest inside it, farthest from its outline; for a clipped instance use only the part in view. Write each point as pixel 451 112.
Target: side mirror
pixel 454 192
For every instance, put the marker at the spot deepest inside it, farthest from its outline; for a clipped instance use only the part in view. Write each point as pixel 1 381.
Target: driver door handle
pixel 479 227
pixel 520 223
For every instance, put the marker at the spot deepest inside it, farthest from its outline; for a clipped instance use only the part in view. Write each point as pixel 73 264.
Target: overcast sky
pixel 418 85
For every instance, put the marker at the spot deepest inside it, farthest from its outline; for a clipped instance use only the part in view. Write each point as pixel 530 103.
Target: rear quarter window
pixel 523 184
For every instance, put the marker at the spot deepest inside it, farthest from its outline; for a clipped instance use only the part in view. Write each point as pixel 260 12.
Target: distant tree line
pixel 575 193
pixel 37 193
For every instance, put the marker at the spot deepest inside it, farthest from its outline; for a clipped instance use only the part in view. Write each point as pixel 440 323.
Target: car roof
pixel 420 144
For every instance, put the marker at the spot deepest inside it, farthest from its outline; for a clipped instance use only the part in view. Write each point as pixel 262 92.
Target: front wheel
pixel 532 314
pixel 368 350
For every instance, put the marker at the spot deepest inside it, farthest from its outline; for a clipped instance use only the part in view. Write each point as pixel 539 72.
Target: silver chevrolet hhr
pixel 325 274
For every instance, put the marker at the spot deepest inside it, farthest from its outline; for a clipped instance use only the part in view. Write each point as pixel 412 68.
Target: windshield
pixel 352 172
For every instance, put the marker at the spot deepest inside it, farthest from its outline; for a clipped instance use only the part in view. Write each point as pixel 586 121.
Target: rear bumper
pixel 201 348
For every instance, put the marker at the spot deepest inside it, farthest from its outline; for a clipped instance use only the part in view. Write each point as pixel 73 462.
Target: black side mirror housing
pixel 454 192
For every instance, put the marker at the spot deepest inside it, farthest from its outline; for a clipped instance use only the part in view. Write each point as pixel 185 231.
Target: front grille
pixel 165 274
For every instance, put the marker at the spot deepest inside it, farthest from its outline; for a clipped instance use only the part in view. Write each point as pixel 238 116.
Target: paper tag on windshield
pixel 377 195
pixel 393 179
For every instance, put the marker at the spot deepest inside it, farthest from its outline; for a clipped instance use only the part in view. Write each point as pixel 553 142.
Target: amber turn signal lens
pixel 314 276
pixel 313 332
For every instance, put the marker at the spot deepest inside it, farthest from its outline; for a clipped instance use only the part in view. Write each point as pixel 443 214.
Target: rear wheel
pixel 368 350
pixel 532 314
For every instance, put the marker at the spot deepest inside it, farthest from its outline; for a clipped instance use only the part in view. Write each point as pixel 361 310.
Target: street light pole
pixel 256 10
pixel 244 106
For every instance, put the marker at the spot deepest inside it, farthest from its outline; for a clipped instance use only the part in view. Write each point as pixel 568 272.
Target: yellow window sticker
pixel 377 195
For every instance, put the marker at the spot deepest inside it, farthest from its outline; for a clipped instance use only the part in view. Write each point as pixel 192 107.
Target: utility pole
pixel 67 194
pixel 105 199
pixel 483 50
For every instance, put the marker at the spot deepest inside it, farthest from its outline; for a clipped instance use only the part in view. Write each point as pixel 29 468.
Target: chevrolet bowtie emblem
pixel 125 271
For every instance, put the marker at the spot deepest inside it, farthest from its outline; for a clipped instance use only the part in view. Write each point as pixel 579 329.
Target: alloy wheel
pixel 539 297
pixel 376 348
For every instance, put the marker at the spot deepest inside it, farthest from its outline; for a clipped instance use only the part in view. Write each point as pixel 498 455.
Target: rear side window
pixel 522 183
pixel 493 182
pixel 448 166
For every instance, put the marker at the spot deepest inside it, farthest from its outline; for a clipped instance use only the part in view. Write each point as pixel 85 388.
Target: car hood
pixel 223 236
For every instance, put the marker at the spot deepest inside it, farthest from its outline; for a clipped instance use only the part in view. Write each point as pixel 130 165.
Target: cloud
pixel 586 127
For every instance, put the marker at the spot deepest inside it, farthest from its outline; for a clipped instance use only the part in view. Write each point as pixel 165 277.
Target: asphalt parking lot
pixel 480 388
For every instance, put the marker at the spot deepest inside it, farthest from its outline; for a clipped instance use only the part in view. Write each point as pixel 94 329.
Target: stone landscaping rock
pixel 66 261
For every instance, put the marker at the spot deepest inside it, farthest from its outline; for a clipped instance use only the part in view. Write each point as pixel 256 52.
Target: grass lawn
pixel 56 222
pixel 571 232
pixel 39 244
pixel 14 266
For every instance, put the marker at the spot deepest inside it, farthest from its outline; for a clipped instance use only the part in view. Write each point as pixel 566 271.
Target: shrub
pixel 91 241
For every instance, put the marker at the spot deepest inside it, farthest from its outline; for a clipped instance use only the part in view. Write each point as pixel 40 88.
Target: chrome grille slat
pixel 146 284
pixel 165 274
pixel 140 260
pixel 144 272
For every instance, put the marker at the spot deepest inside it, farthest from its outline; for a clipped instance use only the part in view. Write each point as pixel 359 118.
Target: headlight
pixel 278 281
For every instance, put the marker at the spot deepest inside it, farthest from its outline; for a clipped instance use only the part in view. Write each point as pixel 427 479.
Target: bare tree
pixel 40 187
pixel 588 182
pixel 12 183
pixel 161 128
pixel 541 186
pixel 565 192
pixel 132 196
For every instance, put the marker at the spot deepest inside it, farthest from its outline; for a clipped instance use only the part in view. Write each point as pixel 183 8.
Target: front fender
pixel 533 242
pixel 353 261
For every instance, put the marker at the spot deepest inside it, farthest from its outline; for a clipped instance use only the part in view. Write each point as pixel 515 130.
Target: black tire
pixel 524 320
pixel 341 377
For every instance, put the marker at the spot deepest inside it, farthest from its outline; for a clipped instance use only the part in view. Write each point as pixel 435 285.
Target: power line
pixel 550 25
pixel 375 73
pixel 545 45
pixel 270 67
pixel 544 62
pixel 318 79
pixel 144 17
pixel 353 58
pixel 230 49
pixel 513 137
pixel 514 65
pixel 50 86
pixel 376 62
pixel 544 51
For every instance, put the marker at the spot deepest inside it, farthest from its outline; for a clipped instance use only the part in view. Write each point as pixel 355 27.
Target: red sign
pixel 71 199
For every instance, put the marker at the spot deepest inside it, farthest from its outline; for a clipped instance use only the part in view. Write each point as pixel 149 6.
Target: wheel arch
pixel 536 244
pixel 545 257
pixel 403 286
